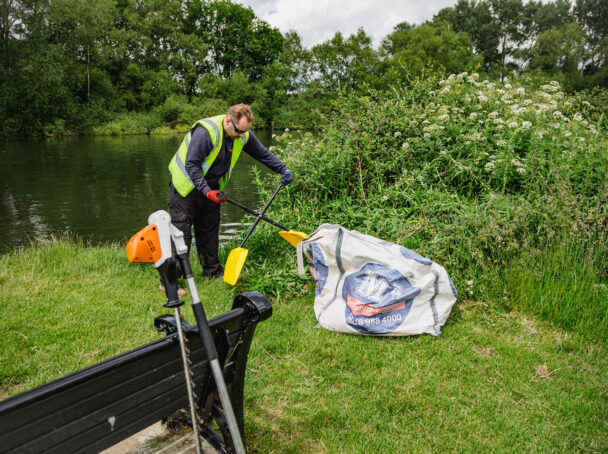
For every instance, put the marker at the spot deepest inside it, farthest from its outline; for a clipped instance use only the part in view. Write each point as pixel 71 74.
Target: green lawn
pixel 492 382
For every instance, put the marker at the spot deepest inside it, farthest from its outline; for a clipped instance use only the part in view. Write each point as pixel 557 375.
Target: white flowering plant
pixel 478 174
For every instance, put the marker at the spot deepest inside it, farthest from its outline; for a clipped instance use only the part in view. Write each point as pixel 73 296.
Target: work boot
pixel 180 291
pixel 214 274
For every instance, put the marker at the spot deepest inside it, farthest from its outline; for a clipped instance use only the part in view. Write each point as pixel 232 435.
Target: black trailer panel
pixel 97 407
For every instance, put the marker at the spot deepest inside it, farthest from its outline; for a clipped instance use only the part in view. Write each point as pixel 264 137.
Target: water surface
pixel 99 188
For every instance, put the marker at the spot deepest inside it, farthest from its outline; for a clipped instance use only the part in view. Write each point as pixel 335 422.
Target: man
pixel 200 171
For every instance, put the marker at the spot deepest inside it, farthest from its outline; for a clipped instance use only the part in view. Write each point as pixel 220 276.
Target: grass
pixel 564 284
pixel 495 381
pixel 66 305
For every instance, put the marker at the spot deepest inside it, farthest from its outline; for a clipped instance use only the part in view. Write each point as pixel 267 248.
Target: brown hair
pixel 238 111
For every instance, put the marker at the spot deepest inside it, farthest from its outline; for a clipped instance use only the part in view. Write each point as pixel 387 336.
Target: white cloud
pixel 317 21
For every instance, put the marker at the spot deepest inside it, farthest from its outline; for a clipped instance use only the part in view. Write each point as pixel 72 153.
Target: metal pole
pixel 255 213
pixel 207 339
pixel 188 377
pixel 260 214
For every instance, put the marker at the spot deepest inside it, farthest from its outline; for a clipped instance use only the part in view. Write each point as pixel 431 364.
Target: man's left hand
pixel 287 178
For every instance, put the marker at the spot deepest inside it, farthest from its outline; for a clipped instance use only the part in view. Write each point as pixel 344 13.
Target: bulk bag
pixel 365 285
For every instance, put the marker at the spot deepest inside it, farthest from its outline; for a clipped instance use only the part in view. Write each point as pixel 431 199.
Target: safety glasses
pixel 237 130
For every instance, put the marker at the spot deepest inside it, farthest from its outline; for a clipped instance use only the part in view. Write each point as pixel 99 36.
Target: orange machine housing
pixel 144 246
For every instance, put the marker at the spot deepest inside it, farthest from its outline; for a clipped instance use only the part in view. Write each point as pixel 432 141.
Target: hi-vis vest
pixel 179 176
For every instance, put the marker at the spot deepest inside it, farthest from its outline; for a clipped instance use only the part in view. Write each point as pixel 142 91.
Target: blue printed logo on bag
pixel 378 299
pixel 318 268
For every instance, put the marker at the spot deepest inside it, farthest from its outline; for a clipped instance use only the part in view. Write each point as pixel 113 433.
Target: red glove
pixel 216 196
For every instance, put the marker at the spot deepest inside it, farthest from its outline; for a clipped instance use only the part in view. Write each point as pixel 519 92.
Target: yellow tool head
pixel 234 265
pixel 293 237
pixel 144 246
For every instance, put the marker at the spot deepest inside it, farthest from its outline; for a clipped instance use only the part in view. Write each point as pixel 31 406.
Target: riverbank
pixel 494 381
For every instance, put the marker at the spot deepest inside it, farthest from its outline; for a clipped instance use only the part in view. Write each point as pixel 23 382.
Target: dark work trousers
pixel 205 215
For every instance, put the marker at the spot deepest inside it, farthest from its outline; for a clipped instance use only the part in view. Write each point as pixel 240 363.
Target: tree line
pixel 69 66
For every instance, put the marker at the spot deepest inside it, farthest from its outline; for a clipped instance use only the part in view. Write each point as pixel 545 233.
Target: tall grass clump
pixel 563 283
pixel 482 177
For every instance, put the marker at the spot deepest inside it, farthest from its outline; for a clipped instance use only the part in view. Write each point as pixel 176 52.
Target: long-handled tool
pixel 236 258
pixel 293 237
pixel 152 244
pixel 162 221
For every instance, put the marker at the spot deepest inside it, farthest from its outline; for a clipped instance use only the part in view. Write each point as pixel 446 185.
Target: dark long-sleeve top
pixel 200 147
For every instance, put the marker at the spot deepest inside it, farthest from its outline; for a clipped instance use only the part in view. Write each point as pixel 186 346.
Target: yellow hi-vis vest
pixel 179 176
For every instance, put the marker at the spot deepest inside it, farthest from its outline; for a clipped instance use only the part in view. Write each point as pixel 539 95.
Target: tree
pixel 345 63
pixel 236 39
pixel 560 49
pixel 81 27
pixel 593 16
pixel 433 45
pixel 188 61
pixel 397 40
pixel 286 77
pixel 476 20
pixel 549 15
pixel 8 21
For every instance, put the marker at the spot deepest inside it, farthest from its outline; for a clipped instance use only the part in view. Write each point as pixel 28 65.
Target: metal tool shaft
pixel 188 377
pixel 260 214
pixel 218 377
pixel 255 213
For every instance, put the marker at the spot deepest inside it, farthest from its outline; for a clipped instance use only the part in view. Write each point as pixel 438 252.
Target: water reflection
pixel 99 188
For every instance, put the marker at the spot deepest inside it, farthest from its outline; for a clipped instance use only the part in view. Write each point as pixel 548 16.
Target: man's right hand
pixel 216 196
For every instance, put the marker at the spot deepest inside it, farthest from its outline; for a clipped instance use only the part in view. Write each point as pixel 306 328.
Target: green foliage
pixel 130 123
pixel 560 50
pixel 36 91
pixel 71 66
pixel 565 283
pixel 345 63
pixel 235 37
pixel 513 37
pixel 472 173
pixel 429 47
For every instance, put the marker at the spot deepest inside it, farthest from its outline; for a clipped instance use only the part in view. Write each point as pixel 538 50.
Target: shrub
pixel 130 123
pixel 476 175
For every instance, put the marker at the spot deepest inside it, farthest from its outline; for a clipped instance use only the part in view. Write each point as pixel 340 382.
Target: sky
pixel 317 21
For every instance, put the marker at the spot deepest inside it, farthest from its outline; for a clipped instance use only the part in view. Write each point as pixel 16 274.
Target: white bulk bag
pixel 365 285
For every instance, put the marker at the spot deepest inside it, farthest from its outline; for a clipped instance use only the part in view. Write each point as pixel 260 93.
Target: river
pixel 101 189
